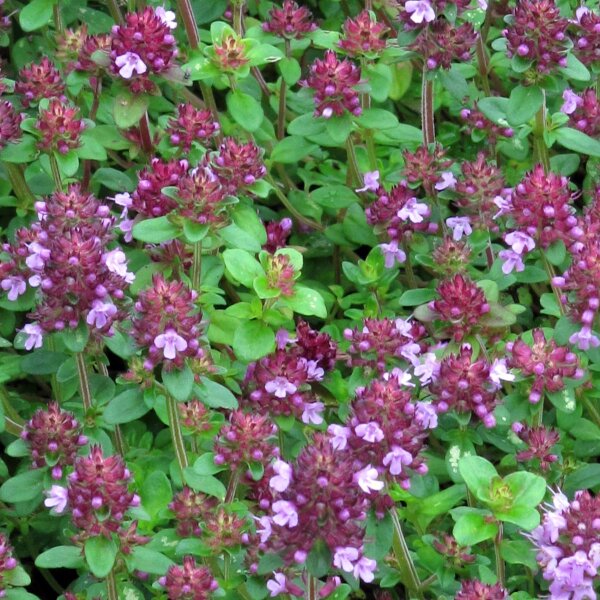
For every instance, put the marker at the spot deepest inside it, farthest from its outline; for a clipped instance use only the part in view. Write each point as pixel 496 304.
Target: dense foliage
pixel 299 300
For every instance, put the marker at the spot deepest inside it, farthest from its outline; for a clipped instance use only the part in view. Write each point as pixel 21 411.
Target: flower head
pixel 191 125
pixel 291 21
pixel 188 581
pixel 57 499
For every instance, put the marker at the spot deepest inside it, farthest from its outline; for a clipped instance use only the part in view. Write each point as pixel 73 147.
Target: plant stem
pixel 197 266
pixel 238 17
pixel 352 162
pixel 145 135
pixel 406 566
pixel 84 382
pixel 539 144
pixel 58 22
pixel 232 487
pixel 55 172
pixel 484 65
pixel 371 150
pixel 176 433
pixel 499 560
pixel 111 586
pixel 19 185
pixel 311 587
pixel 115 11
pixel 12 420
pixel 427 116
pixel 282 99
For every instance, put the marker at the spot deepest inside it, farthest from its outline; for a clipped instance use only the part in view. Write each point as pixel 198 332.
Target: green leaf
pixel 129 109
pixel 23 152
pixel 36 14
pixel 380 533
pixel 472 528
pixel 556 253
pixel 150 561
pixel 341 592
pixel 527 489
pixel 204 483
pixel 100 554
pixel 584 478
pixel 67 163
pixel 495 109
pixel 239 239
pixel 306 125
pixel 205 465
pixel 42 362
pixel 125 407
pixel 91 149
pixel 522 516
pixel 245 218
pixel 307 301
pixel 114 180
pixel 417 297
pixel 518 552
pixel 290 70
pixel 575 69
pixel 253 340
pixel 576 140
pixel 524 103
pixel 478 474
pixel 155 231
pixel 339 128
pixel 76 339
pixel 156 493
pixel 215 395
pixel 334 196
pixel 381 78
pixel 263 54
pixel 179 382
pixel 318 560
pixel 17 577
pixel 245 110
pixel 242 266
pixel 269 563
pixel 292 149
pixel 194 232
pixel 60 557
pixel 377 119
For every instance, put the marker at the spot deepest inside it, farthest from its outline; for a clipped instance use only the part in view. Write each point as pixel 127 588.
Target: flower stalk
pixel 427 115
pixel 176 433
pixel 407 568
pixel 84 382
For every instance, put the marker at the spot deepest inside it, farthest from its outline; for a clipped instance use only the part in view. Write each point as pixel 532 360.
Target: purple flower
pixel 35 336
pixel 56 499
pixel 101 313
pixel 504 204
pixel 420 10
pixel 584 339
pixel 285 514
pixel 15 286
pixel 413 210
pixel 38 256
pixel 339 436
pixel 392 254
pixel 283 477
pixel 369 432
pixel 172 343
pixel 266 531
pixel 313 371
pixel 166 16
pixel 344 558
pixel 129 63
pixel 511 261
pixel 571 102
pixel 519 241
pixel 396 458
pixel 426 415
pixel 428 369
pixel 280 387
pixel 277 585
pixel 371 181
pixel 123 199
pixel 313 413
pixel 447 181
pixel 460 226
pixel 573 578
pixel 367 479
pixel 365 568
pixel 282 337
pixel 116 262
pixel 499 372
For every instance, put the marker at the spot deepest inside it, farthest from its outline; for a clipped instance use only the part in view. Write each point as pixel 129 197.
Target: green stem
pixel 484 66
pixel 232 487
pixel 55 172
pixel 115 11
pixel 84 382
pixel 352 162
pixel 19 185
pixel 427 116
pixel 197 266
pixel 500 571
pixel 111 587
pixel 406 566
pixel 591 409
pixel 58 22
pixel 176 433
pixel 540 149
pixel 238 17
pixel 145 135
pixel 371 150
pixel 12 420
pixel 282 99
pixel 311 587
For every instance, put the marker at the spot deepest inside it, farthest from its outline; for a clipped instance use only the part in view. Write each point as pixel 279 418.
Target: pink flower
pixel 277 585
pixel 426 415
pixel 172 343
pixel 392 253
pixel 15 286
pixel 499 372
pixel 584 339
pixel 371 181
pixel 413 210
pixel 365 568
pixel 266 531
pixel 460 226
pixel 101 313
pixel 396 458
pixel 339 436
pixel 369 432
pixel 280 387
pixel 427 370
pixel 123 199
pixel 285 514
pixel 313 413
pixel 38 257
pixel 511 261
pixel 367 479
pixel 56 499
pixel 420 10
pixel 519 241
pixel 447 181
pixel 116 262
pixel 35 336
pixel 344 558
pixel 166 16
pixel 283 477
pixel 571 102
pixel 503 204
pixel 129 63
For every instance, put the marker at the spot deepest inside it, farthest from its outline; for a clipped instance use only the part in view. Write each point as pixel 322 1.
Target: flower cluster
pixel 568 546
pixel 10 123
pixel 167 323
pixel 191 125
pixel 191 509
pixel 334 82
pixel 189 581
pixel 481 128
pixel 291 21
pixel 425 167
pixel 588 36
pixel 54 438
pixel 583 111
pixel 540 441
pixel 445 43
pixel 476 590
pixel 37 81
pixel 238 165
pixel 60 127
pixel 363 36
pixel 278 233
pixel 8 563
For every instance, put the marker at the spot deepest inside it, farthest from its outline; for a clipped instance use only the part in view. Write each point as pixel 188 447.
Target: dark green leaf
pixel 524 103
pixel 416 297
pixel 129 109
pixel 42 362
pixel 576 140
pixel 100 554
pixel 125 407
pixel 215 395
pixel 22 487
pixel 179 382
pixel 253 340
pixel 60 557
pixel 155 231
pixel 36 14
pixel 245 110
